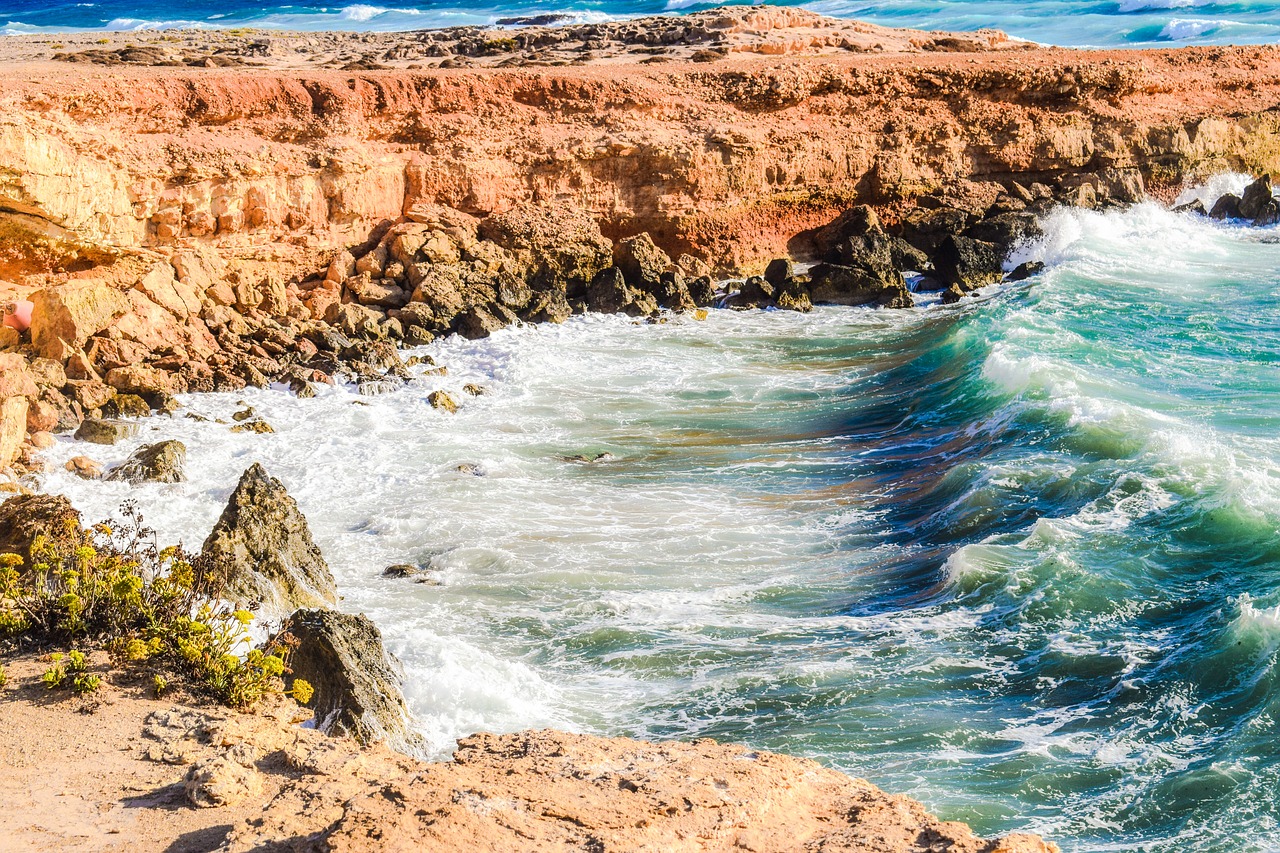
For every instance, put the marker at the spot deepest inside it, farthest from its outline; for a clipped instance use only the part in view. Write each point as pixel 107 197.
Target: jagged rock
pixel 380 292
pixel 1004 230
pixel 967 263
pixel 926 229
pixel 13 429
pixel 164 462
pixel 219 781
pixel 25 517
pixel 47 373
pixel 672 293
pixel 474 390
pixel 609 293
pixel 1226 207
pixel 106 430
pixel 1025 270
pixel 141 379
pixel 846 285
pixel 702 291
pixel 401 570
pixel 357 689
pixel 755 292
pixel 1195 206
pixel 257 426
pixel 63 318
pixel 952 295
pixel 1255 198
pixel 126 406
pixel 778 271
pixel 556 248
pixel 90 393
pixel 642 263
pixel 442 400
pixel 262 548
pixel 854 222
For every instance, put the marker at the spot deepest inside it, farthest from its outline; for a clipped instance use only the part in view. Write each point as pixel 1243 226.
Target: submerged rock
pixel 357 689
pixel 164 462
pixel 262 548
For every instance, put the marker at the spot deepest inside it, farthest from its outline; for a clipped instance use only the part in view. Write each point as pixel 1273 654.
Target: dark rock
pixel 357 688
pixel 483 321
pixel 1255 198
pixel 1005 230
pixel 474 390
pixel 642 263
pixel 24 518
pixel 778 271
pixel 261 547
pixel 126 406
pixel 1025 270
pixel 1226 207
pixel 854 222
pixel 756 292
pixel 967 263
pixel 610 294
pixel 926 229
pixel 402 570
pixel 952 295
pixel 164 462
pixel 702 291
pixel 905 256
pixel 846 285
pixel 1268 215
pixel 1195 206
pixel 550 306
pixel 672 293
pixel 106 430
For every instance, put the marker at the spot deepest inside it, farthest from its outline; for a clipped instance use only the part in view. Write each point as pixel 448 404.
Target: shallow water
pixel 1102 23
pixel 1018 557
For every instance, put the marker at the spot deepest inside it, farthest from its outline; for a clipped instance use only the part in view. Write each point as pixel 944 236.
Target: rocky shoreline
pixel 170 226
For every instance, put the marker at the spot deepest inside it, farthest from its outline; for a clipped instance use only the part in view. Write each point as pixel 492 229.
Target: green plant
pixel 4 677
pixel 113 587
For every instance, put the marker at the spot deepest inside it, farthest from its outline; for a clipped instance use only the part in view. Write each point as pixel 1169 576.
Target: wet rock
pixel 262 548
pixel 25 517
pixel 1226 207
pixel 257 426
pixel 1195 206
pixel 702 291
pixel 952 295
pixel 474 390
pixel 1025 270
pixel 846 285
pixel 967 263
pixel 357 688
pixel 219 781
pixel 778 271
pixel 164 462
pixel 106 430
pixel 1005 230
pixel 609 293
pixel 401 570
pixel 672 293
pixel 1255 198
pixel 442 400
pixel 126 406
pixel 84 467
pixel 755 292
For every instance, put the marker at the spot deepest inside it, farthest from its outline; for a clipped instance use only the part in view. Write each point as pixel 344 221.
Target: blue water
pixel 1061 22
pixel 1017 557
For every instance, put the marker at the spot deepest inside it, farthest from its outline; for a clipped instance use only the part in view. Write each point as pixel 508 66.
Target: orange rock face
pixel 727 161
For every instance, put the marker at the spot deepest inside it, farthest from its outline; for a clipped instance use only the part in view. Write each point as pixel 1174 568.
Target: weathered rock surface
pixel 24 518
pixel 262 546
pixel 106 430
pixel 357 686
pixel 164 462
pixel 525 791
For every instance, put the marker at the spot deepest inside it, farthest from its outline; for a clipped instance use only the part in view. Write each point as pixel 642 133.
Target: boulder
pixel 755 292
pixel 848 285
pixel 702 291
pixel 672 293
pixel 46 372
pixel 16 379
pixel 1255 198
pixel 164 462
pixel 778 271
pixel 141 379
pixel 13 429
pixel 442 400
pixel 106 430
pixel 854 222
pixel 63 318
pixel 967 263
pixel 555 247
pixel 84 467
pixel 642 263
pixel 1025 270
pixel 357 688
pixel 126 406
pixel 952 295
pixel 26 517
pixel 1226 207
pixel 262 549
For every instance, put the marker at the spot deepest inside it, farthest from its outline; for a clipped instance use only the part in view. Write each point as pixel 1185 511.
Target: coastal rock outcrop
pixel 357 687
pixel 163 462
pixel 26 518
pixel 262 547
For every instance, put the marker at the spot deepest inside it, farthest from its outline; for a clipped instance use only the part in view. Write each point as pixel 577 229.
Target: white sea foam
pixel 1213 189
pixel 1149 5
pixel 1184 29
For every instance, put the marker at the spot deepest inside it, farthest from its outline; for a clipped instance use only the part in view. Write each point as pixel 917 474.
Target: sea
pixel 1018 557
pixel 1077 23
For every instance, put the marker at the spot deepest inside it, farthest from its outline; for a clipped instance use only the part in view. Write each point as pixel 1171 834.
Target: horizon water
pixel 1018 558
pixel 1070 23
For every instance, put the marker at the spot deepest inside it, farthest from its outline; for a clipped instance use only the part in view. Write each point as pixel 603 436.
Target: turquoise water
pixel 1122 23
pixel 1018 557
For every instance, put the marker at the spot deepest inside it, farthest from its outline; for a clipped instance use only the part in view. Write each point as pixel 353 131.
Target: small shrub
pixel 115 588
